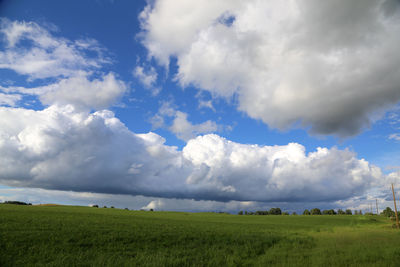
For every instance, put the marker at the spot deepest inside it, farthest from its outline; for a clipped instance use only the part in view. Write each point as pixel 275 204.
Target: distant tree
pixel 275 211
pixel 240 212
pixel 329 212
pixel 112 207
pixel 360 212
pixel 388 212
pixel 104 207
pixel 15 202
pixel 306 212
pixel 341 212
pixel 250 213
pixel 151 210
pixel 95 206
pixel 355 212
pixel 294 213
pixel 285 213
pixel 316 211
pixel 126 209
pixel 348 212
pixel 261 212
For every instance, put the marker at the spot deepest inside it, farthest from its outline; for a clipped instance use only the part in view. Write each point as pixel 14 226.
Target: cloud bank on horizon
pixel 331 66
pixel 334 77
pixel 61 148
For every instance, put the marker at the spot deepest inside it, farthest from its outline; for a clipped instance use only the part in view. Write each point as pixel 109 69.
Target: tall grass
pixel 83 236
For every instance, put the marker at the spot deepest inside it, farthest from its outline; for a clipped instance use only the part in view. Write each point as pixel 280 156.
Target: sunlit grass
pixel 75 236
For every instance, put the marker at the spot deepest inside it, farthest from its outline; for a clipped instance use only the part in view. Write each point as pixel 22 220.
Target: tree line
pixel 388 212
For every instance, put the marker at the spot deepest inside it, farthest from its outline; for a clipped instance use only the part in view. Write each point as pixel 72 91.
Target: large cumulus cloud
pixel 330 66
pixel 67 149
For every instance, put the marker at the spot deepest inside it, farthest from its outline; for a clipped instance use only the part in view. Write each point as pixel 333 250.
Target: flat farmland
pixel 85 236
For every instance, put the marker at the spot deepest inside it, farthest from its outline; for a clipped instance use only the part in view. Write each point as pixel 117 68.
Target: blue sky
pixel 246 73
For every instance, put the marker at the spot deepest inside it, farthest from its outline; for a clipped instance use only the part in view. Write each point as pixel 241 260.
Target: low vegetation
pixel 86 236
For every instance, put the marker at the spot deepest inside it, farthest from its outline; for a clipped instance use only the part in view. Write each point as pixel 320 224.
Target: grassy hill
pixel 76 236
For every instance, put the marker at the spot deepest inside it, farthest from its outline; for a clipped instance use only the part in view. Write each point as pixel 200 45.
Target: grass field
pixel 76 236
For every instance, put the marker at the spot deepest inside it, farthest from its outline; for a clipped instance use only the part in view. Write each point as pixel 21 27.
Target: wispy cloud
pixel 46 55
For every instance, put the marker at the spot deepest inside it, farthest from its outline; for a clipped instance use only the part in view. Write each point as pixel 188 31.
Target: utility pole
pixel 395 208
pixel 377 211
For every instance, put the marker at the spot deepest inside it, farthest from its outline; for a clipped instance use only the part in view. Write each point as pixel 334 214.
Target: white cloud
pixel 325 65
pixel 206 104
pixel 44 55
pixel 180 125
pixel 9 99
pixel 147 78
pixel 185 130
pixel 66 149
pixel 80 91
pixel 34 51
pixel 395 136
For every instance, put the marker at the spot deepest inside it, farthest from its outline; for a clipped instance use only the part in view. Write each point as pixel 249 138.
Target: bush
pixel 104 207
pixel 95 206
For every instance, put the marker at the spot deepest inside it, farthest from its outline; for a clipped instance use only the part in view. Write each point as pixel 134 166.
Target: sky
pixel 200 105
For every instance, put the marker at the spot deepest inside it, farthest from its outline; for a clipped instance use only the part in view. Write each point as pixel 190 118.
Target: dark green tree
pixel 306 212
pixel 240 212
pixel 341 212
pixel 315 211
pixel 329 212
pixel 348 212
pixel 275 211
pixel 388 212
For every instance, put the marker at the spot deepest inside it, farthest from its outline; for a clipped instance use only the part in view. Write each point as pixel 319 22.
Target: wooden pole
pixel 377 211
pixel 395 208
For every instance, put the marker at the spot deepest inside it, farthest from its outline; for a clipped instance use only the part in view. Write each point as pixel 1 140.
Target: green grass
pixel 83 236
